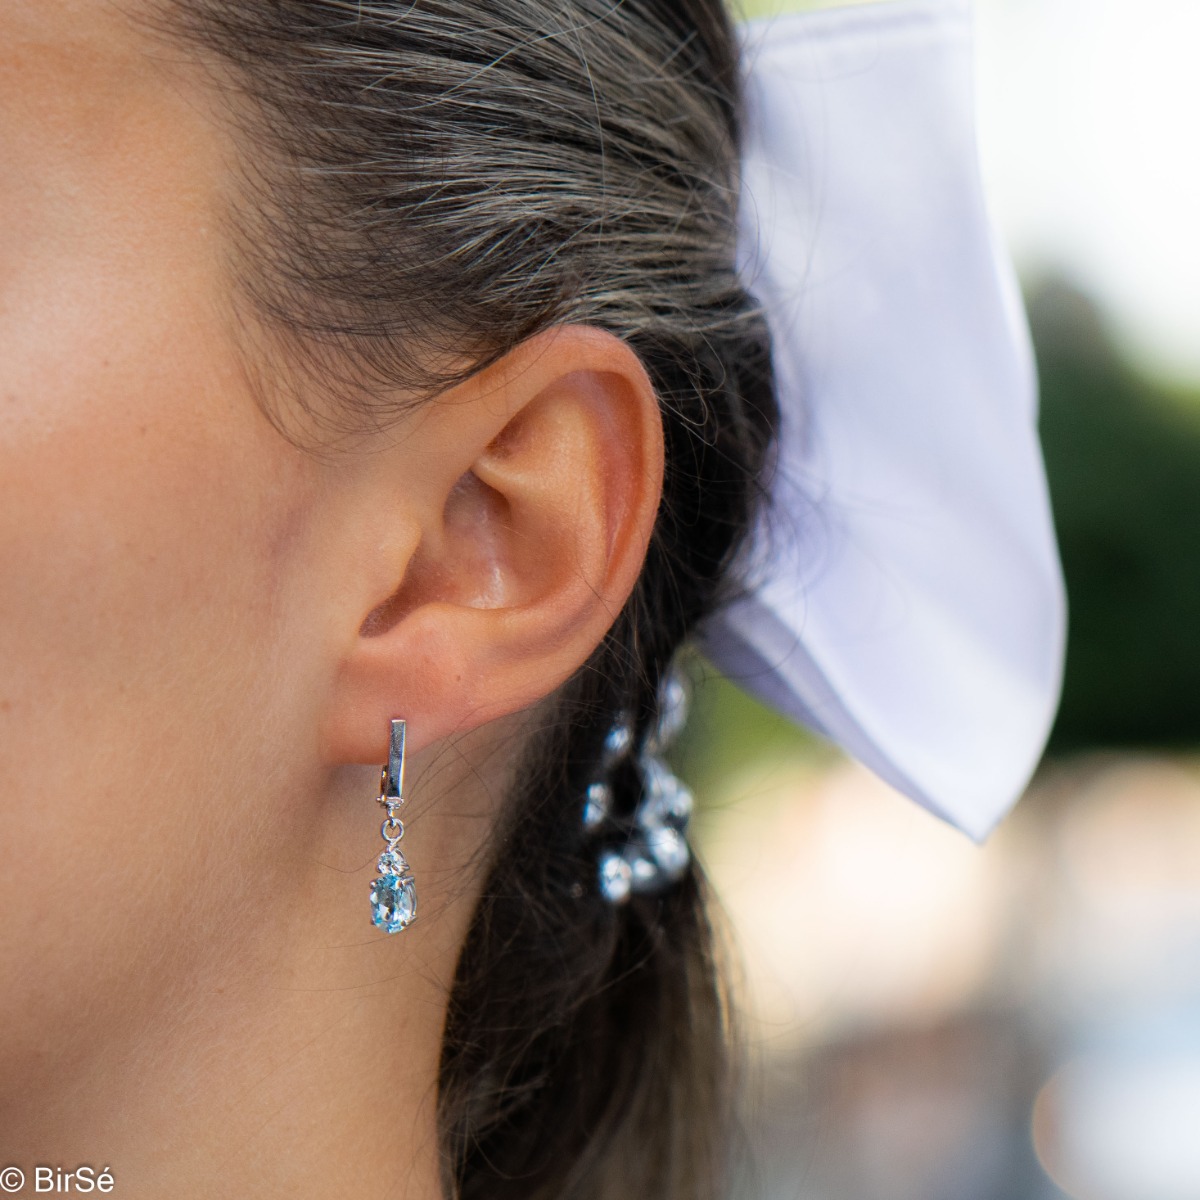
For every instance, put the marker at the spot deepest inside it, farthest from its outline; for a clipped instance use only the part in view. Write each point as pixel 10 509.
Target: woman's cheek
pixel 151 526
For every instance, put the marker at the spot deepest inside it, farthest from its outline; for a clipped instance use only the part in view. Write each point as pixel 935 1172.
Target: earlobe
pixel 527 554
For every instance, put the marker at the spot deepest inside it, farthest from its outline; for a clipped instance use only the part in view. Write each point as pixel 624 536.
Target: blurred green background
pixel 1123 458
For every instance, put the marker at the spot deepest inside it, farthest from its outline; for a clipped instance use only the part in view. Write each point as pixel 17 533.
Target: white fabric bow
pixel 908 601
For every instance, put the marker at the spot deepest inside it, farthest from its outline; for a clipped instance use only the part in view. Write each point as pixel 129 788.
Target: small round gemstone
pixel 672 806
pixel 391 862
pixel 393 902
pixel 681 806
pixel 669 850
pixel 597 805
pixel 668 800
pixel 645 875
pixel 672 709
pixel 617 743
pixel 616 877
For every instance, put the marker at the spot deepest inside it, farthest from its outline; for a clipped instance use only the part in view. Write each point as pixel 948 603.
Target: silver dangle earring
pixel 393 894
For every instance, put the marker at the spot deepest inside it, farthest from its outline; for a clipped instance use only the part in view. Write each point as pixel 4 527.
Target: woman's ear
pixel 530 493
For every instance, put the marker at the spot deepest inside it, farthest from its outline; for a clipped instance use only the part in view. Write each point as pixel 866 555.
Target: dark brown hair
pixel 428 182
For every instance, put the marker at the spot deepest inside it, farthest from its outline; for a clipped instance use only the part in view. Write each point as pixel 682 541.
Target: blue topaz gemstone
pixel 393 902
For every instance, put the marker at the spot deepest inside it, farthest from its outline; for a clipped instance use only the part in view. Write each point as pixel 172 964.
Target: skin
pixel 204 631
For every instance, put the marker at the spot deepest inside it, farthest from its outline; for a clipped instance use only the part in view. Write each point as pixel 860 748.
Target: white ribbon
pixel 908 600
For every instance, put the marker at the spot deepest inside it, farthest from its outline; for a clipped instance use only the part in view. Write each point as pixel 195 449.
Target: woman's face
pixel 192 657
pixel 155 532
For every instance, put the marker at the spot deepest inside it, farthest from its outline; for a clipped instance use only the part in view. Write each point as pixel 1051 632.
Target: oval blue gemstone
pixel 393 902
